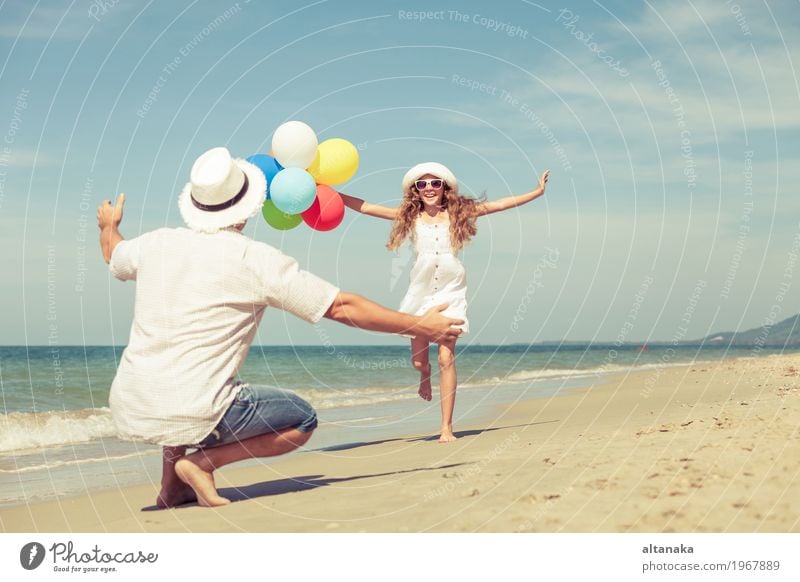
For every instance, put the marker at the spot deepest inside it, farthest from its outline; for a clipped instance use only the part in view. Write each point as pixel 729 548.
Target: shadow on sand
pixel 459 434
pixel 306 482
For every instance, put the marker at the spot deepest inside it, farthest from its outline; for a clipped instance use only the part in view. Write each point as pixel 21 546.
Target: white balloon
pixel 294 145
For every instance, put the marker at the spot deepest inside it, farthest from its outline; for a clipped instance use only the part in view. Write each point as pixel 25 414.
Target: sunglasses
pixel 436 183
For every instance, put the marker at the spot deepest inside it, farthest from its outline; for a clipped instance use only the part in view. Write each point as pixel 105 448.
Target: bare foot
pixel 425 388
pixel 175 495
pixel 447 436
pixel 201 481
pixel 425 384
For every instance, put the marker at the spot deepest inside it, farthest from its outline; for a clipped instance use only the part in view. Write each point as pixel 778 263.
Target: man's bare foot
pixel 175 495
pixel 201 481
pixel 447 436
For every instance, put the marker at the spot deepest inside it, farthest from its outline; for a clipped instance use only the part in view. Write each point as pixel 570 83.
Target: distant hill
pixel 784 333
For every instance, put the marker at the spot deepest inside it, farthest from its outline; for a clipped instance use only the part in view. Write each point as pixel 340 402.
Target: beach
pixel 701 447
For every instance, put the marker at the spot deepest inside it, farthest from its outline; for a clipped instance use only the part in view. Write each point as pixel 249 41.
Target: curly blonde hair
pixel 463 211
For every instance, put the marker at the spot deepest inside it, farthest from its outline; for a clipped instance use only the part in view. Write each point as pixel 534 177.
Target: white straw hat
pixel 433 168
pixel 222 191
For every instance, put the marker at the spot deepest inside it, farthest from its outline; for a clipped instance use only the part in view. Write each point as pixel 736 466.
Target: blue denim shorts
pixel 259 410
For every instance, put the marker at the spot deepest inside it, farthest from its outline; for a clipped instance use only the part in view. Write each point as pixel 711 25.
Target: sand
pixel 699 448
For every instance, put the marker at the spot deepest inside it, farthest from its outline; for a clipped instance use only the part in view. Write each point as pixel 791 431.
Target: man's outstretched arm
pixel 108 219
pixel 358 311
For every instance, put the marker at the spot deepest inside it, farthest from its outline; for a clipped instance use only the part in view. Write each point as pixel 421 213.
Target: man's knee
pixel 310 422
pixel 303 437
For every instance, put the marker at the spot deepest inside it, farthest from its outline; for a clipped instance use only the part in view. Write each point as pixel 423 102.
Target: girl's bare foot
pixel 447 436
pixel 201 481
pixel 425 384
pixel 425 388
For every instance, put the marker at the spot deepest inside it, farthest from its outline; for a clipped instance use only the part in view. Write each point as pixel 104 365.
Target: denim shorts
pixel 259 410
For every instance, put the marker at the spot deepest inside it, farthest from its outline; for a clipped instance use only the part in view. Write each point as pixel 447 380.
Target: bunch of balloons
pixel 300 172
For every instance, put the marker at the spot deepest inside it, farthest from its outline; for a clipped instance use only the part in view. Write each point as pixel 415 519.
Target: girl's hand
pixel 514 201
pixel 543 180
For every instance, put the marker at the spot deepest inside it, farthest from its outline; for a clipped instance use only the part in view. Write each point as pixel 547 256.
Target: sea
pixel 57 437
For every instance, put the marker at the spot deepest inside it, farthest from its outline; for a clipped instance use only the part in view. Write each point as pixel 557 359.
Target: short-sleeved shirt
pixel 199 300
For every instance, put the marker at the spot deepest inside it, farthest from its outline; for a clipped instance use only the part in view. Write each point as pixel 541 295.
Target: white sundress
pixel 437 276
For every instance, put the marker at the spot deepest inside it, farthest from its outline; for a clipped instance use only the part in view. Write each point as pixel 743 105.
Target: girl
pixel 439 222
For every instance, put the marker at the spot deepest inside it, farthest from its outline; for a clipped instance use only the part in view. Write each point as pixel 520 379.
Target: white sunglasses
pixel 436 183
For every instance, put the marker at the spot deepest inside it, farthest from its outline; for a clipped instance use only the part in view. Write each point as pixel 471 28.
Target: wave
pixel 572 373
pixel 530 376
pixel 55 464
pixel 24 430
pixel 337 398
pixel 360 420
pixel 343 398
pixel 526 375
pixel 20 431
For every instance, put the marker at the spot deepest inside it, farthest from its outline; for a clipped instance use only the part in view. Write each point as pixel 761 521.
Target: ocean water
pixel 57 438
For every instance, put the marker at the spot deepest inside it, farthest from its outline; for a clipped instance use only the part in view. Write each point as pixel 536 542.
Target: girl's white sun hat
pixel 433 168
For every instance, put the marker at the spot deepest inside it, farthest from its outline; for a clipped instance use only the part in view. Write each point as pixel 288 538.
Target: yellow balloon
pixel 336 162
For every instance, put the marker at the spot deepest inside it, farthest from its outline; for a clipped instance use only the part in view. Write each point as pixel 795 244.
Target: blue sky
pixel 670 128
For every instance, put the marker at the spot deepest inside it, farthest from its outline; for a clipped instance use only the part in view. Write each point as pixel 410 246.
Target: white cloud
pixel 36 23
pixel 27 158
pixel 24 21
pixel 661 20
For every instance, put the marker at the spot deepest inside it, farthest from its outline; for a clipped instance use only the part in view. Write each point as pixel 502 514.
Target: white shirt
pixel 199 300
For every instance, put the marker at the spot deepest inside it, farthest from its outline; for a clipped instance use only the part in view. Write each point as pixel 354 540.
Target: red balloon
pixel 327 211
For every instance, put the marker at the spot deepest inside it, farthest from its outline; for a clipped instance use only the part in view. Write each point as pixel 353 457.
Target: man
pixel 200 295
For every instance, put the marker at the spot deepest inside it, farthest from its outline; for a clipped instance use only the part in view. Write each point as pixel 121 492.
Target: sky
pixel 671 130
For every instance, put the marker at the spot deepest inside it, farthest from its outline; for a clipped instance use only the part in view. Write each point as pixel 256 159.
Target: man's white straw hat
pixel 221 192
pixel 433 168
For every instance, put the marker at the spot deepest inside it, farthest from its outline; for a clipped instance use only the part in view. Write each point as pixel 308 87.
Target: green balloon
pixel 278 219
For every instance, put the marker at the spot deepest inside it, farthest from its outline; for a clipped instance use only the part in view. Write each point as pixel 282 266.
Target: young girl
pixel 439 222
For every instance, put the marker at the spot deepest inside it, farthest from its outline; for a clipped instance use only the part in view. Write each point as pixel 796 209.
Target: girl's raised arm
pixel 513 201
pixel 377 210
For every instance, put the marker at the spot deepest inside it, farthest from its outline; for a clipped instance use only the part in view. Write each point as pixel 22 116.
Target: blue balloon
pixel 293 190
pixel 268 165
